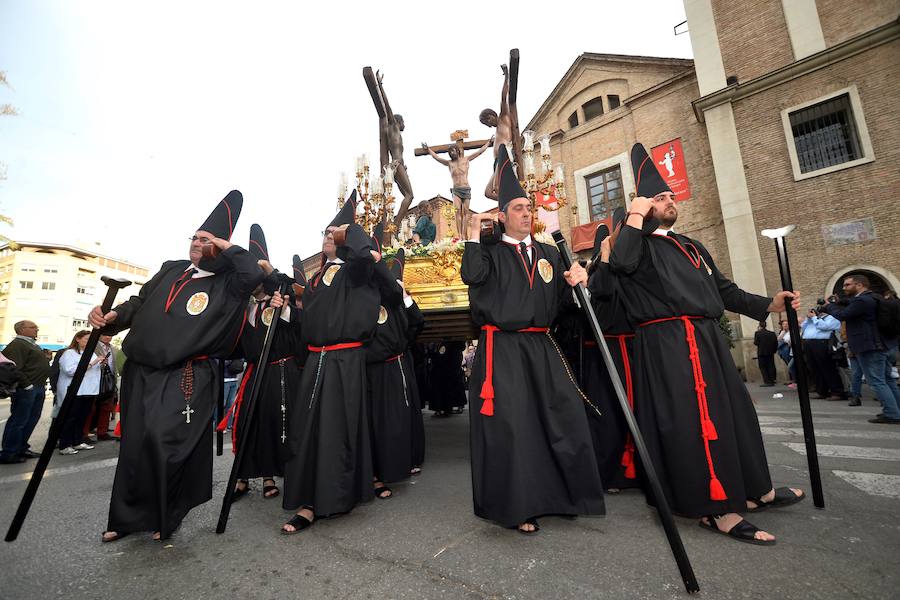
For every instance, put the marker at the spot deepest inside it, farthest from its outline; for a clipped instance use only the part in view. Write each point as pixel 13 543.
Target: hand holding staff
pixel 662 505
pixel 99 317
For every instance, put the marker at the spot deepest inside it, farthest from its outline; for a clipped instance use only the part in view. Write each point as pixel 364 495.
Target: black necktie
pixel 523 248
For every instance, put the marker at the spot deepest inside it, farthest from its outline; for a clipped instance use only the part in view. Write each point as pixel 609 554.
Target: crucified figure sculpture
pixel 390 128
pixel 507 124
pixel 459 173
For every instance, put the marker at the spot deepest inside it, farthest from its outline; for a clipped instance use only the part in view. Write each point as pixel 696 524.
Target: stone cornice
pixel 820 60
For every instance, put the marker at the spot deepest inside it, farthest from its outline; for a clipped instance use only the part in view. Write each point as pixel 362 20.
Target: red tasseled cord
pixel 707 429
pixel 487 388
pixel 236 409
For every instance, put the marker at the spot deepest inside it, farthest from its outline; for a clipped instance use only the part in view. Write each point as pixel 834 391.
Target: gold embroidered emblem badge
pixel 546 270
pixel 197 303
pixel 328 277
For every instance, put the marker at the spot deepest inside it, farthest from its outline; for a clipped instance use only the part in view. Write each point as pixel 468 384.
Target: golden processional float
pixel 432 272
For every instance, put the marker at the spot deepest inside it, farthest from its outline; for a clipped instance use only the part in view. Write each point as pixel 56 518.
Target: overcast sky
pixel 136 118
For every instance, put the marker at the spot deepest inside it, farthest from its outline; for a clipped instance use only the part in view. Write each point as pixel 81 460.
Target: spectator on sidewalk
pixel 101 412
pixel 766 343
pixel 71 437
pixel 816 332
pixel 784 349
pixel 32 371
pixel 868 343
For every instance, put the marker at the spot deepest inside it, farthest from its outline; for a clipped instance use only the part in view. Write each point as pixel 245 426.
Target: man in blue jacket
pixel 867 343
pixel 816 331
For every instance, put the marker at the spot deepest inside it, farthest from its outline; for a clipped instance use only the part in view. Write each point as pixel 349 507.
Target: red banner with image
pixel 669 159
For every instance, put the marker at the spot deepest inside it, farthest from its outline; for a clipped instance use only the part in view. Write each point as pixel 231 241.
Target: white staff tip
pixel 778 233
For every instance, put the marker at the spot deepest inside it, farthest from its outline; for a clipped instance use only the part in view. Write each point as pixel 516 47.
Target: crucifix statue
pixel 459 173
pixel 507 123
pixel 390 128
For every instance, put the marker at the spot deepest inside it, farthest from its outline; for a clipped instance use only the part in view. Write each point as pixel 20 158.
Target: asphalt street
pixel 425 542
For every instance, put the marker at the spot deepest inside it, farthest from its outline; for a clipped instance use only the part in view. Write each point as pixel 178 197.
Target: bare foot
pixel 156 536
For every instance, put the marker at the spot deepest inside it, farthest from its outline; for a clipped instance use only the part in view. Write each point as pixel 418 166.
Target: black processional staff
pixel 809 433
pixel 220 406
pixel 247 421
pixel 662 505
pixel 113 285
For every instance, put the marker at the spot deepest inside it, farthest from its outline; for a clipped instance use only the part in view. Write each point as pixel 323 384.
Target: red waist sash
pixel 487 388
pixel 707 428
pixel 332 347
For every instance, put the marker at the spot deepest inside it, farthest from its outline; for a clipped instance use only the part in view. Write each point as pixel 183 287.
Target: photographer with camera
pixel 817 331
pixel 869 343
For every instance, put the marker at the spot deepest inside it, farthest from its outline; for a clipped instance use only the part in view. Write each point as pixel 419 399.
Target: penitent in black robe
pixel 389 381
pixel 612 441
pixel 329 465
pixel 695 414
pixel 533 456
pixel 416 321
pixel 267 438
pixel 447 380
pixel 179 324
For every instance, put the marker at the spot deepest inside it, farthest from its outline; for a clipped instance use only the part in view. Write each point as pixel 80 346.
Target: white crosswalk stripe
pixel 835 451
pixel 838 433
pixel 877 484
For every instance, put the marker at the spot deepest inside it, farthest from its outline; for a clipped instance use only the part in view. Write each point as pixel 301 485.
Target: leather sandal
pixel 743 531
pixel 118 536
pixel 240 492
pixel 383 492
pixel 299 523
pixel 784 496
pixel 270 491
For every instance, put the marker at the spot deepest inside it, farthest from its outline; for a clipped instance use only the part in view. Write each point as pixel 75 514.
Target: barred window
pixel 605 192
pixel 825 134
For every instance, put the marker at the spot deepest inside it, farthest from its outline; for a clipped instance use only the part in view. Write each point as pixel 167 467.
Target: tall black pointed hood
pixel 299 273
pixel 258 247
pixel 647 178
pixel 347 214
pixel 377 236
pixel 222 220
pixel 600 234
pixel 397 264
pixel 509 188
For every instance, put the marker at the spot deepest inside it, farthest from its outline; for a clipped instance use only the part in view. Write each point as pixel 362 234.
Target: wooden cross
pixel 459 134
pixel 187 412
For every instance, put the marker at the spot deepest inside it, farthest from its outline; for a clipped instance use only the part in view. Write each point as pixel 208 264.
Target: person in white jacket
pixel 71 437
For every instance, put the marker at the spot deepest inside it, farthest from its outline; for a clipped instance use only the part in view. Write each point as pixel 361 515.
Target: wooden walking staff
pixel 662 505
pixel 809 433
pixel 251 405
pixel 114 286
